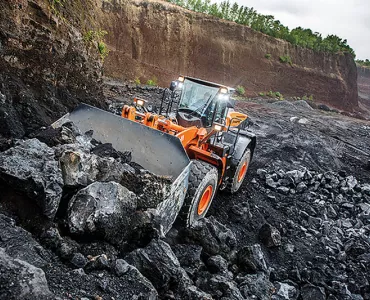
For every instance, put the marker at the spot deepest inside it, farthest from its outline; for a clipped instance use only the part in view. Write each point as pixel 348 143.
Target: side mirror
pixel 230 103
pixel 173 85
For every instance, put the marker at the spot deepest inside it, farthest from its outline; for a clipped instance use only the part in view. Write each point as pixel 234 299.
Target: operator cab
pixel 201 103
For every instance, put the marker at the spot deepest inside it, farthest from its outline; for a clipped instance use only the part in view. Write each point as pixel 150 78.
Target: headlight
pixel 217 127
pixel 181 79
pixel 223 90
pixel 139 102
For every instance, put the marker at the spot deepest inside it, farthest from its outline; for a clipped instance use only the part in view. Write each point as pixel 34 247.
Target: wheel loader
pixel 195 138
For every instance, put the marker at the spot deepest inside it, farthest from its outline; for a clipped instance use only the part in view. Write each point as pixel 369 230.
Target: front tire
pixel 240 172
pixel 202 188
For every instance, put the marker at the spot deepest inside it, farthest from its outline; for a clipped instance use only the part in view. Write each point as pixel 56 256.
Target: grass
pixel 137 81
pixel 96 37
pixel 268 55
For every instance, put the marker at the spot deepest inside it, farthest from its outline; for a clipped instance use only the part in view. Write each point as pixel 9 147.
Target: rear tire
pixel 202 188
pixel 240 172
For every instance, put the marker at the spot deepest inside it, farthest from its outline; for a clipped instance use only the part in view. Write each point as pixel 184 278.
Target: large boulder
pixel 20 280
pixel 102 210
pixel 19 244
pixel 159 264
pixel 214 237
pixel 30 167
pixel 256 286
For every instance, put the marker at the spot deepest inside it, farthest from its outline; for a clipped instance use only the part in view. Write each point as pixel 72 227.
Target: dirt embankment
pixel 45 68
pixel 154 38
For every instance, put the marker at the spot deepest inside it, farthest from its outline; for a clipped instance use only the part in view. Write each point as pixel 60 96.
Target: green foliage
pixel 277 94
pixel 268 56
pixel 305 98
pixel 262 94
pixel 103 50
pixel 270 94
pixel 267 24
pixel 310 98
pixel 285 59
pixel 152 81
pixel 137 81
pixel 363 63
pixel 240 89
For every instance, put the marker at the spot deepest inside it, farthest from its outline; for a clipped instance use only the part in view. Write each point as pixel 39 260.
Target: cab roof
pixel 209 83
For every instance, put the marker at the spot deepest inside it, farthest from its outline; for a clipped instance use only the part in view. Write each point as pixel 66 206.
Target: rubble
pixel 31 168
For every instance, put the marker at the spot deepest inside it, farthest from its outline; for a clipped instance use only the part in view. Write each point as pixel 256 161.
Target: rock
pixel 271 183
pixel 121 267
pixel 219 287
pixel 159 264
pixel 252 259
pixel 310 291
pixel 284 291
pixel 302 104
pixel 351 182
pixel 30 167
pixel 102 210
pixel 341 290
pixel 214 237
pixel 283 190
pixel 66 134
pixel 365 189
pixel 99 262
pixel 323 107
pixel 217 264
pixel 20 244
pixel 301 187
pixel 106 150
pixel 21 280
pixel 270 236
pixel 189 257
pixel 256 286
pixel 78 260
pixel 261 173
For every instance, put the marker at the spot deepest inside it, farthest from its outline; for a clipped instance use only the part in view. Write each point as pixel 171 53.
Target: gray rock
pixel 351 182
pixel 78 260
pixel 283 190
pixel 256 286
pixel 301 187
pixel 21 280
pixel 121 267
pixel 20 244
pixel 271 183
pixel 159 264
pixel 252 259
pixel 365 189
pixel 261 173
pixel 102 210
pixel 189 257
pixel 220 287
pixel 99 262
pixel 217 264
pixel 270 235
pixel 310 291
pixel 284 291
pixel 302 104
pixel 214 237
pixel 31 168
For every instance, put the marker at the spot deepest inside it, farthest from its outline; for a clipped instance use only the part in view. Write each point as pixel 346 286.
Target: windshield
pixel 195 96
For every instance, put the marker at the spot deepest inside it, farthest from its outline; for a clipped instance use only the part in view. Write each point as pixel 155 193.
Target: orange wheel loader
pixel 195 137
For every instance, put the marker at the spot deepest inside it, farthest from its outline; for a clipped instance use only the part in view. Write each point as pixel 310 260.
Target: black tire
pixel 202 176
pixel 235 182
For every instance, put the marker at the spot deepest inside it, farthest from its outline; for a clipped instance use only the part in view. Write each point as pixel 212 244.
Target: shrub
pixel 305 98
pixel 240 89
pixel 285 59
pixel 137 81
pixel 310 98
pixel 152 81
pixel 268 56
pixel 270 94
pixel 261 94
pixel 103 50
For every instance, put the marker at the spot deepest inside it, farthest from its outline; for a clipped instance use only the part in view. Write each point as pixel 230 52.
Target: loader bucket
pixel 156 151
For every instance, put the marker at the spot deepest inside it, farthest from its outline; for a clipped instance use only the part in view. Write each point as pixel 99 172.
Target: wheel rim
pixel 242 172
pixel 205 199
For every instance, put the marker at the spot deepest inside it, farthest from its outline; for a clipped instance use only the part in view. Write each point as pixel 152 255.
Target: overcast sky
pixel 348 19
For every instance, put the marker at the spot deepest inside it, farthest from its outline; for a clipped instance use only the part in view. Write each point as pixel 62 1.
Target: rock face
pixel 102 210
pixel 46 69
pixel 31 168
pixel 219 51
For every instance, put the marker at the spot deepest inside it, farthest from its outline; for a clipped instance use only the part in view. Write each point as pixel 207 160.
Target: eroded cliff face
pixel 150 38
pixel 45 67
pixel 363 82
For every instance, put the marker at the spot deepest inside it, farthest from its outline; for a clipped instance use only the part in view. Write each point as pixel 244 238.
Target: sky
pixel 348 19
